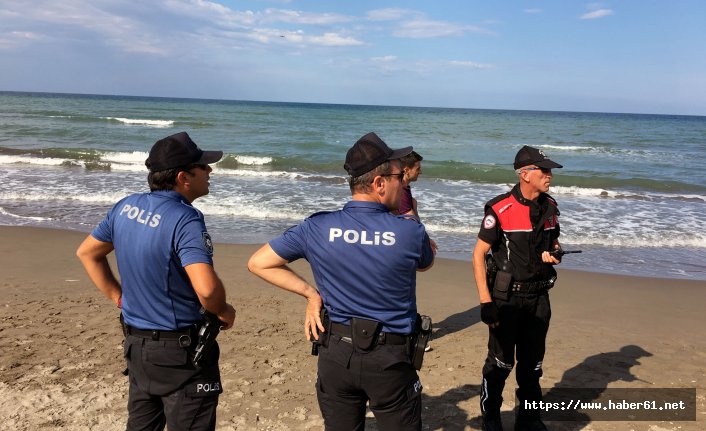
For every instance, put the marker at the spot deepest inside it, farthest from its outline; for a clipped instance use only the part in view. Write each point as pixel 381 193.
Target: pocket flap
pixel 166 356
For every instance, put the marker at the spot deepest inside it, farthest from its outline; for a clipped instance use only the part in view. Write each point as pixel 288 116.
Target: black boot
pixel 529 424
pixel 492 423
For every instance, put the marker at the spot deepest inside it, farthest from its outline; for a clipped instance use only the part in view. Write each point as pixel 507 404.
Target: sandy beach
pixel 61 363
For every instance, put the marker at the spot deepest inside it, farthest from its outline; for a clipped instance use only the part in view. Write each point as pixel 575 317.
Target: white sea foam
pixel 29 160
pixel 5 212
pixel 251 211
pixel 582 191
pixel 35 196
pixel 451 228
pixel 567 147
pixel 137 157
pixel 252 160
pixel 657 241
pixel 142 122
pixel 269 174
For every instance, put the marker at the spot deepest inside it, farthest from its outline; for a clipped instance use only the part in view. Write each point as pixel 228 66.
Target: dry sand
pixel 61 344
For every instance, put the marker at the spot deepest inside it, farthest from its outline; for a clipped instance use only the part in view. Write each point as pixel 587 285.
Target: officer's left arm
pixel 426 260
pixel 548 258
pixel 94 257
pixel 269 266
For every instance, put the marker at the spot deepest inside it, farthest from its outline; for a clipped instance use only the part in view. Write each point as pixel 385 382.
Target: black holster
pixel 420 339
pixel 123 326
pixel 491 269
pixel 498 281
pixel 323 336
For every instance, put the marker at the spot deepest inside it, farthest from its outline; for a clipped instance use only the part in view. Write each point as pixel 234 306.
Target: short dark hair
pixel 163 180
pixel 410 159
pixel 362 183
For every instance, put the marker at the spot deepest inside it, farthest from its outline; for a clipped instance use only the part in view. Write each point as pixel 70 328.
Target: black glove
pixel 489 313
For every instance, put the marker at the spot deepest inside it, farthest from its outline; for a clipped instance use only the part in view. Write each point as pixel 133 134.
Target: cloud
pixel 297 37
pixel 425 28
pixel 599 13
pixel 384 59
pixel 390 14
pixel 333 39
pixel 167 27
pixel 533 10
pixel 305 18
pixel 415 25
pixel 470 64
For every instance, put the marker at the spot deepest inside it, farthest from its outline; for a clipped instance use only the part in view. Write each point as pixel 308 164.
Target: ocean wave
pixel 568 147
pixel 4 212
pixel 466 228
pixel 29 160
pixel 656 241
pixel 252 160
pixel 251 211
pixel 583 191
pixel 32 196
pixel 302 176
pixel 142 122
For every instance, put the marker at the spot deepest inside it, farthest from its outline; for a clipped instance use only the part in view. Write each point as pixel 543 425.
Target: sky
pixel 638 56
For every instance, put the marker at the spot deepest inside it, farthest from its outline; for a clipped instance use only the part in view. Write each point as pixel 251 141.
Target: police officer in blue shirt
pixel 165 260
pixel 364 261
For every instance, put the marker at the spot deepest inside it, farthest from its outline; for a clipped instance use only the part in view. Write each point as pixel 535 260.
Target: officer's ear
pixel 378 183
pixel 182 178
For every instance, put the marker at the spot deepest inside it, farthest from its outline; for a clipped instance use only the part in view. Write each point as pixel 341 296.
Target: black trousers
pixel 524 321
pixel 166 389
pixel 384 376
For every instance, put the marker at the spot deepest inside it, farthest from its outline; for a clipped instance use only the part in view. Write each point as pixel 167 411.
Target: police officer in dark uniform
pixel 364 261
pixel 165 260
pixel 521 228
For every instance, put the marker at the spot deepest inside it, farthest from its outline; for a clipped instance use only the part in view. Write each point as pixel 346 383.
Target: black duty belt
pixel 344 331
pixel 530 286
pixel 157 335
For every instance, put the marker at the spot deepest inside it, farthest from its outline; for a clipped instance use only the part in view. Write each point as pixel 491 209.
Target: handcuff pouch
pixel 364 333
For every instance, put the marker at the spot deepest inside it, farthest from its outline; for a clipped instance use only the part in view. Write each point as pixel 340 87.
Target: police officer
pixel 364 261
pixel 165 260
pixel 521 228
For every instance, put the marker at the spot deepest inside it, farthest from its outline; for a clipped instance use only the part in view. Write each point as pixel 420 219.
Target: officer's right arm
pixel 482 248
pixel 269 266
pixel 94 257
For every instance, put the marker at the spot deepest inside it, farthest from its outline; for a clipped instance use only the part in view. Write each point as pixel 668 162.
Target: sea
pixel 632 193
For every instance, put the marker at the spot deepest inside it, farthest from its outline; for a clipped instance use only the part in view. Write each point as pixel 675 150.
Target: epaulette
pixel 553 203
pixel 410 217
pixel 551 200
pixel 496 199
pixel 319 213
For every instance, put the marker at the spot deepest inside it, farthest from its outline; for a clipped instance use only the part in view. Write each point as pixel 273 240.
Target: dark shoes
pixel 492 423
pixel 530 425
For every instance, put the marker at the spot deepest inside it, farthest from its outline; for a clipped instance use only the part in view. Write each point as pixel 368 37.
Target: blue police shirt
pixel 364 260
pixel 155 235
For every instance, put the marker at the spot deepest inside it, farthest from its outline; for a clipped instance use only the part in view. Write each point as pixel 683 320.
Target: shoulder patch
pixel 489 221
pixel 206 238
